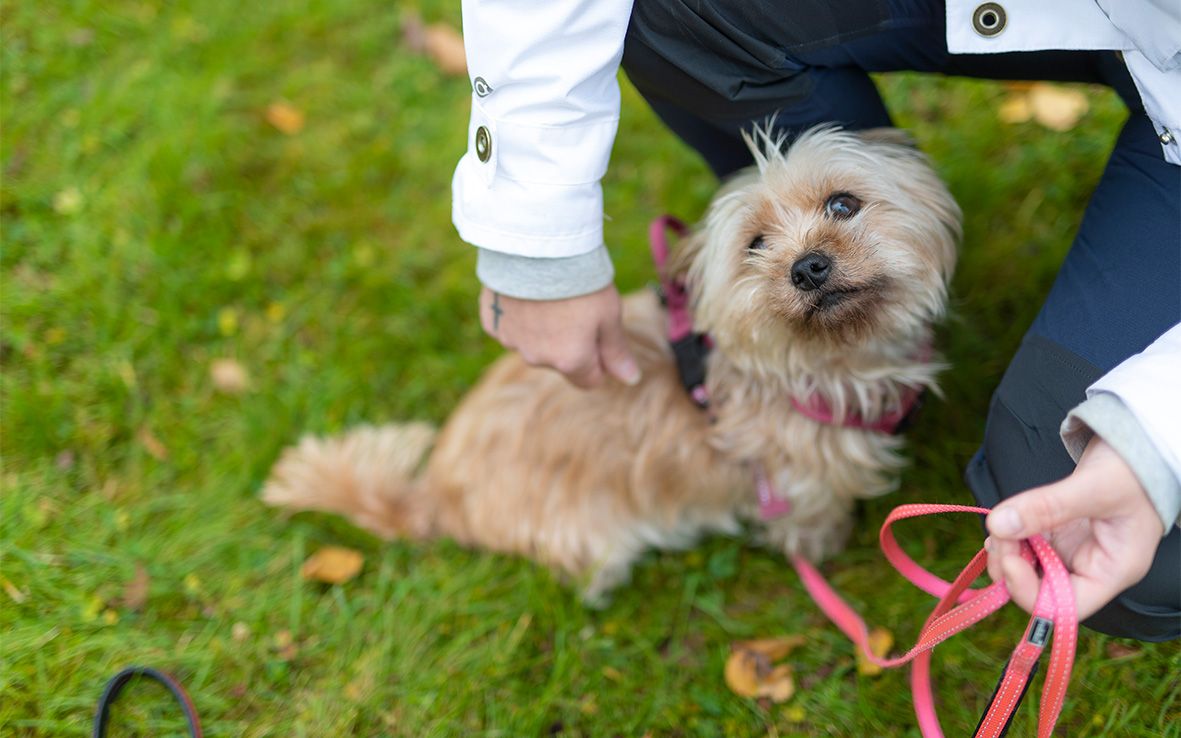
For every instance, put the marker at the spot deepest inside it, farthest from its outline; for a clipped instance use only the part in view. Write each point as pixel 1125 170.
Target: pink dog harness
pixel 959 607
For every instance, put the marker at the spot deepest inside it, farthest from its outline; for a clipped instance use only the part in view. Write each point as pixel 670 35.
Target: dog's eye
pixel 757 244
pixel 842 206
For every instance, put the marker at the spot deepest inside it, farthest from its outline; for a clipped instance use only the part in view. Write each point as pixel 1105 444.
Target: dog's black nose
pixel 810 271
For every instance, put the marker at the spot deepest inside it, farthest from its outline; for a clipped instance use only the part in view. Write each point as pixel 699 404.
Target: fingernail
pixel 629 373
pixel 1005 522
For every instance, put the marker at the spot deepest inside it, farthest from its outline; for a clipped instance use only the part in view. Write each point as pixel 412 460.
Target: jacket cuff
pixel 529 278
pixel 1107 416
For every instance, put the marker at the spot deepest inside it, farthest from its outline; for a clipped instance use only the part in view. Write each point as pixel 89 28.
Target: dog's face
pixel 840 240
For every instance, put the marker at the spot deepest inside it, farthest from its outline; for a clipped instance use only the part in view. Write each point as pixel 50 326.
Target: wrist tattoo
pixel 497 311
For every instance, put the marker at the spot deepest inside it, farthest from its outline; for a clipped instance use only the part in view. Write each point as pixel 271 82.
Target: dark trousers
pixel 709 69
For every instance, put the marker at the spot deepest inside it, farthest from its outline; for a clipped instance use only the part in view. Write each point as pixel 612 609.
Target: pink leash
pixel 1054 617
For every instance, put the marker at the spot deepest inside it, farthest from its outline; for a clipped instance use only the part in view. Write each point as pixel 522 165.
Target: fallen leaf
pixel 14 593
pixel 285 117
pixel 749 670
pixel 332 565
pixel 444 46
pixel 240 631
pixel 152 444
pixel 1057 108
pixel 68 201
pixel 778 686
pixel 227 321
pixel 64 461
pixel 1015 109
pixel 229 377
pixel 773 648
pixel 285 645
pixel 880 642
pixel 135 592
pixel 1120 651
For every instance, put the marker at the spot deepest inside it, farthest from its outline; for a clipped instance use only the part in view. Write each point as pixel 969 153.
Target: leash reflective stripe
pixel 1054 619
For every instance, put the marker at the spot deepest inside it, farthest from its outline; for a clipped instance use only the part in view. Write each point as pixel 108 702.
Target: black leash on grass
pixel 102 713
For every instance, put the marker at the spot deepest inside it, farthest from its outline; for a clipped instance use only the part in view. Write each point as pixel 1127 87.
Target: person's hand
pixel 1099 520
pixel 582 337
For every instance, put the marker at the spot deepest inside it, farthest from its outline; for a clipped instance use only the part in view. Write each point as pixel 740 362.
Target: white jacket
pixel 545 108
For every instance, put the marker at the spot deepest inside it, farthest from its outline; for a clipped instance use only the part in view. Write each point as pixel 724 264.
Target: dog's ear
pixel 895 136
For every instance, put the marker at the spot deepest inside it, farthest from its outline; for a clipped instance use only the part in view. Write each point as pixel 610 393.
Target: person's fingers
pixel 1042 509
pixel 615 355
pixel 998 550
pixel 1092 594
pixel 1021 581
pixel 579 363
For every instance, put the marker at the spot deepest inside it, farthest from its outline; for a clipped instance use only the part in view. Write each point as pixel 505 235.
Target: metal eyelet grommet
pixel 989 19
pixel 481 86
pixel 483 144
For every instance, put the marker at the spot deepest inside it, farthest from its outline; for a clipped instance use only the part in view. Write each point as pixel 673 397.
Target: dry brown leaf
pixel 1057 108
pixel 444 46
pixel 880 643
pixel 779 685
pixel 1015 109
pixel 750 672
pixel 229 377
pixel 332 564
pixel 135 592
pixel 1120 651
pixel 285 117
pixel 773 648
pixel 152 444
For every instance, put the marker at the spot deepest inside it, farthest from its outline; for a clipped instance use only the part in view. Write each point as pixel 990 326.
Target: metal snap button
pixel 1167 138
pixel 988 19
pixel 483 143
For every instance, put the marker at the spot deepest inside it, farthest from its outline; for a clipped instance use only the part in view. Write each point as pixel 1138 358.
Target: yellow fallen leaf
pixel 1057 108
pixel 152 444
pixel 778 686
pixel 880 643
pixel 749 670
pixel 68 201
pixel 742 672
pixel 14 593
pixel 229 376
pixel 444 46
pixel 332 564
pixel 240 631
pixel 285 117
pixel 227 321
pixel 1015 109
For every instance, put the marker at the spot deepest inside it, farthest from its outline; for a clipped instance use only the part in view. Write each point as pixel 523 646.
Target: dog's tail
pixel 367 475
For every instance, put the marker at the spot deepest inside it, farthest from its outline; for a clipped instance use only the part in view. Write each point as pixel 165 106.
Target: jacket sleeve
pixel 1136 409
pixel 545 109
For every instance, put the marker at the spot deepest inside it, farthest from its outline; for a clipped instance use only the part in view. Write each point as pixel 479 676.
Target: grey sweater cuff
pixel 531 278
pixel 1107 416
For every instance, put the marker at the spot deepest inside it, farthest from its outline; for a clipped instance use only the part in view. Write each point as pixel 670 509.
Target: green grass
pixel 153 221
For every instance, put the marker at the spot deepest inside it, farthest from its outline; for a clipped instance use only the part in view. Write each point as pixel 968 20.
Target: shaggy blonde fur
pixel 584 481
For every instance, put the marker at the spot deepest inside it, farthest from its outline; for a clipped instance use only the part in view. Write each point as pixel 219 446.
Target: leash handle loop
pixel 115 686
pixel 1054 620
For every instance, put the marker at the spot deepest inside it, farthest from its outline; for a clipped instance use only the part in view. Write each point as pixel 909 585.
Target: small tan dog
pixel 817 273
